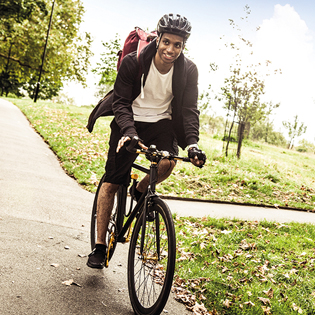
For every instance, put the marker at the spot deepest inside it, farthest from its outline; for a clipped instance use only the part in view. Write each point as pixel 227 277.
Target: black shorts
pixel 118 165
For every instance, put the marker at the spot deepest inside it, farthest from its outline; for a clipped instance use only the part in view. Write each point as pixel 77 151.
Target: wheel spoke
pixel 150 273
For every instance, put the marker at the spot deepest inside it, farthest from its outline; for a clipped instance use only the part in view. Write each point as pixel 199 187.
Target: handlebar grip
pixel 131 146
pixel 186 159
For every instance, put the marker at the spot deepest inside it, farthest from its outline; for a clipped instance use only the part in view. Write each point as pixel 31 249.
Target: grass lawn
pixel 223 266
pixel 242 267
pixel 265 174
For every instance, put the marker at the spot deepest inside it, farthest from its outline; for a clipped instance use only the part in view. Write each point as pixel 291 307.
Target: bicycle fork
pixel 146 209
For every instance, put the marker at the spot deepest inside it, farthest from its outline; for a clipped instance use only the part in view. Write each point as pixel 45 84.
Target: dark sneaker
pixel 97 257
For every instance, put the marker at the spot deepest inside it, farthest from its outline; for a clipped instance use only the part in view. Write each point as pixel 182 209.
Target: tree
pixel 204 101
pixel 295 129
pixel 107 67
pixel 20 10
pixel 243 89
pixel 270 108
pixel 242 92
pixel 305 146
pixel 22 43
pixel 258 132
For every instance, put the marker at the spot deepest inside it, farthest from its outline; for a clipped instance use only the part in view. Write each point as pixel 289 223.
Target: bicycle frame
pixel 155 157
pixel 150 193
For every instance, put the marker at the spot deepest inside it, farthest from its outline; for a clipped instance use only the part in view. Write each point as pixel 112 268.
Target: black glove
pixel 199 153
pixel 132 143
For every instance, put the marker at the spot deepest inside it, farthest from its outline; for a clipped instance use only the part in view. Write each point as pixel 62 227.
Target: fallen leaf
pixel 297 308
pixel 227 303
pixel 199 309
pixel 264 300
pixel 68 282
pixel 266 309
pixel 71 282
pixel 269 293
pixel 249 303
pixel 54 265
pixel 225 269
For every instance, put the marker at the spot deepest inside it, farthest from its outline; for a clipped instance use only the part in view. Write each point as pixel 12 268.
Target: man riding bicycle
pixel 154 98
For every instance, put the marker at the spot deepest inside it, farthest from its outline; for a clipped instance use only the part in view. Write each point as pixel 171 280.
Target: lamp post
pixel 44 53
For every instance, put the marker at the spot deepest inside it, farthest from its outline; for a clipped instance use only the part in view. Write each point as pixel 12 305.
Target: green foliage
pixel 245 267
pixel 305 146
pixel 107 67
pixel 204 102
pixel 22 39
pixel 264 131
pixel 9 82
pixel 48 88
pixel 242 92
pixel 20 10
pixel 294 129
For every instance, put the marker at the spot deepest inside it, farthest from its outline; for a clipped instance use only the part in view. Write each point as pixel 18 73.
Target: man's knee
pixel 166 165
pixel 165 169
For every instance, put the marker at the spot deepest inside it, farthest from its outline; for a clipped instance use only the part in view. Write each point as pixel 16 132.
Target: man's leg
pixel 105 204
pixel 165 169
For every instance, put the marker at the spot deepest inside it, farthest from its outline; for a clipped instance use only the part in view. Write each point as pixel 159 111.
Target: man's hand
pixel 197 157
pixel 124 139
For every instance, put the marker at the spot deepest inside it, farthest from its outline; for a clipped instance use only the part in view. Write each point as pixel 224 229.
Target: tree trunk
pixel 240 138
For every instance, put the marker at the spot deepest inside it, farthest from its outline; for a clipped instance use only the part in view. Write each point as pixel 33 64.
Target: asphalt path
pixel 44 232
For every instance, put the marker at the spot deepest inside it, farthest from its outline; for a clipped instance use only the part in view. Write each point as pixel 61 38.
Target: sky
pixel 286 37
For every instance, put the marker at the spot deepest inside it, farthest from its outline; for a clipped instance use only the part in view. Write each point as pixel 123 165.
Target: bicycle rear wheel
pixel 116 219
pixel 150 275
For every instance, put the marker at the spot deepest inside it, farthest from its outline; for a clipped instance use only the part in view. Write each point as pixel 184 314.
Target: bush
pixel 305 146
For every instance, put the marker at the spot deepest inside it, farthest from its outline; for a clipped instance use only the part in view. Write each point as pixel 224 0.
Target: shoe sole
pixel 95 266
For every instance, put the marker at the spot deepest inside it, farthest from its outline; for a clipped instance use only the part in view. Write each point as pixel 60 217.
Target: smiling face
pixel 169 48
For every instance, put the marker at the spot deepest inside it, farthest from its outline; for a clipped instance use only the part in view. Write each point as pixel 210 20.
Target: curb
pixel 237 203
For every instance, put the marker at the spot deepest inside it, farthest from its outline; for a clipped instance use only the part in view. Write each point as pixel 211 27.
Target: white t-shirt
pixel 154 102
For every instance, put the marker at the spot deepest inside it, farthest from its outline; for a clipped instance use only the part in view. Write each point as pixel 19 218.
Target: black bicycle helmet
pixel 174 24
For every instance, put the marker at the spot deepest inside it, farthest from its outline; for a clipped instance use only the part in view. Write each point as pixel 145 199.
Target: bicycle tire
pixel 149 280
pixel 116 220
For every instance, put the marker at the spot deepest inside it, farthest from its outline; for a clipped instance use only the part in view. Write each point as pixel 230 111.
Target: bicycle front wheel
pixel 150 273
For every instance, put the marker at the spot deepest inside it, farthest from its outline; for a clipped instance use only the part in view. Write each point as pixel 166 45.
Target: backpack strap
pixel 144 40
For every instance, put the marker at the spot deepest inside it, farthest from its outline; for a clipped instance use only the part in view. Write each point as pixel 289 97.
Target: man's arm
pixel 190 105
pixel 123 96
pixel 191 117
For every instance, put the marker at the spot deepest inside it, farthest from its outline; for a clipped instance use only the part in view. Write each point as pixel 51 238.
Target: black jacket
pixel 185 114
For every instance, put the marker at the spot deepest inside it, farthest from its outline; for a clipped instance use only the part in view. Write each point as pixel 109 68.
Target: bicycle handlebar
pixel 152 151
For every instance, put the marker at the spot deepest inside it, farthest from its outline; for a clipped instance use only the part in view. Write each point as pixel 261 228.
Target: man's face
pixel 169 48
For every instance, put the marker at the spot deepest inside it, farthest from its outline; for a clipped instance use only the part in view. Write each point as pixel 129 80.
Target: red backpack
pixel 135 41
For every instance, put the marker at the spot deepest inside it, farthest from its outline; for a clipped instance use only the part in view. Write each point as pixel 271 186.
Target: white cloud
pixel 285 40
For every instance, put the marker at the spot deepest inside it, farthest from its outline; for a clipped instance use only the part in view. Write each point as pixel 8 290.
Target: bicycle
pixel 152 250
